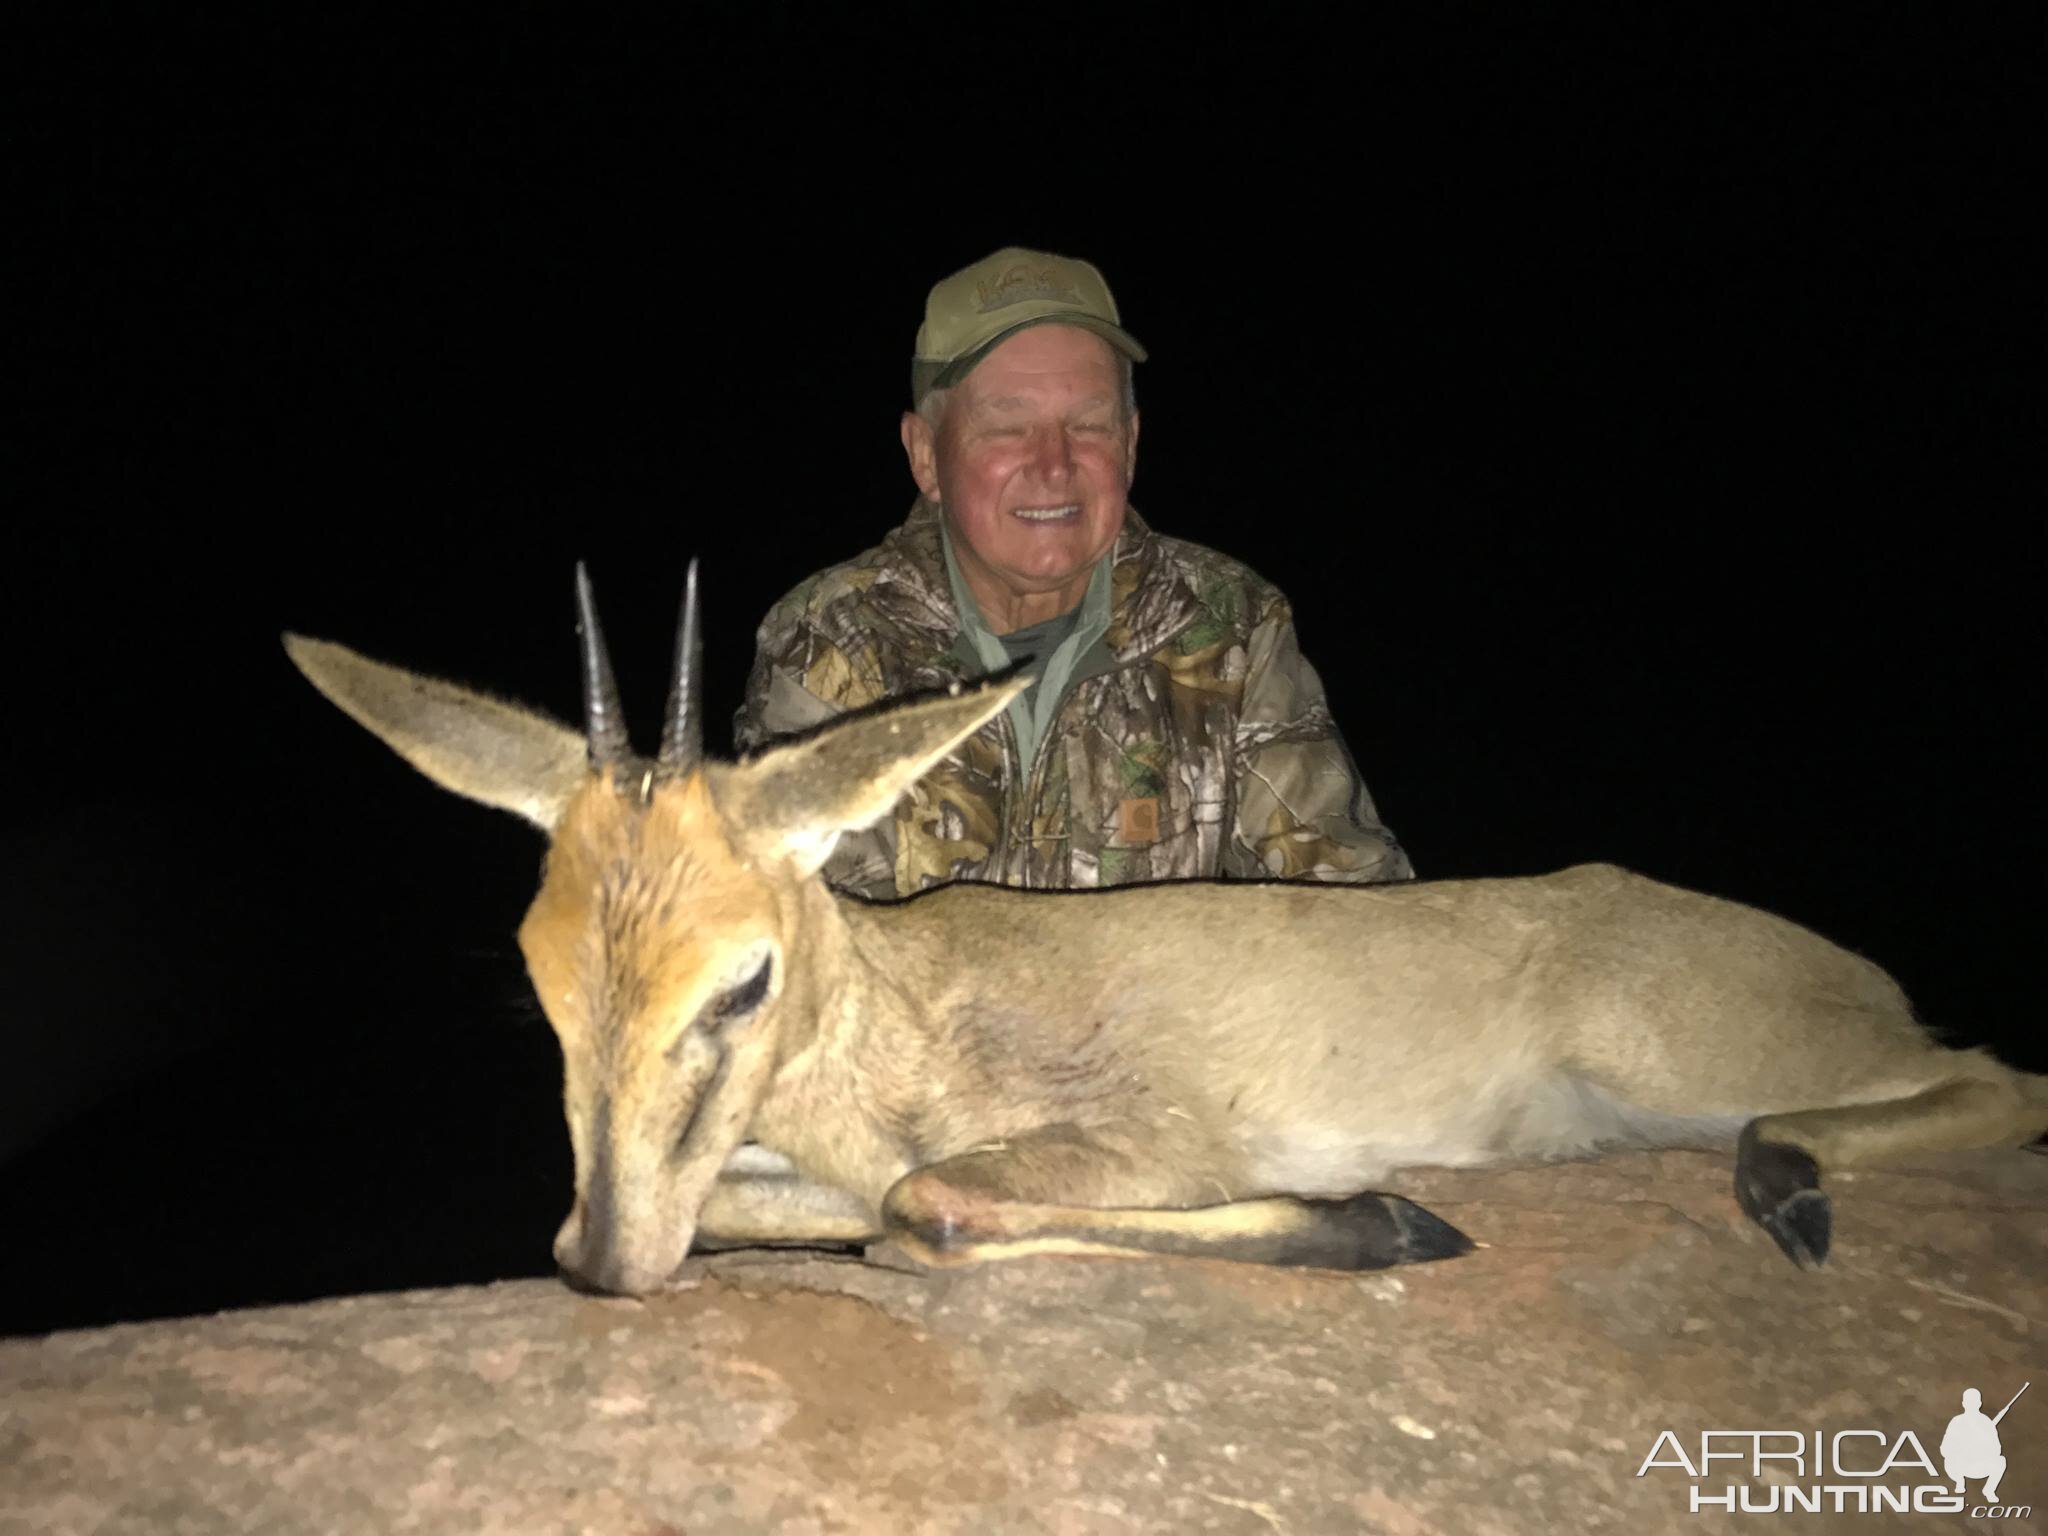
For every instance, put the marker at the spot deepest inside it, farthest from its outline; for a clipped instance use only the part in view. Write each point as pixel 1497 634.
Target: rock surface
pixel 1517 1389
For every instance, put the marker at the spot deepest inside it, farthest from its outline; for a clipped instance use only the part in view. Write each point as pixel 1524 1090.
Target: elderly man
pixel 1174 730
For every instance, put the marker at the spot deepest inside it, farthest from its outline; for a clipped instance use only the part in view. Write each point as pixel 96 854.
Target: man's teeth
pixel 1048 514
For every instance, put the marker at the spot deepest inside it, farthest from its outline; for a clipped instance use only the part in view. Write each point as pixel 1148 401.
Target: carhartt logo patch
pixel 1022 281
pixel 1137 821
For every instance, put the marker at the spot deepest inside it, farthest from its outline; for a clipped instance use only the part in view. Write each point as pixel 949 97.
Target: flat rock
pixel 1520 1388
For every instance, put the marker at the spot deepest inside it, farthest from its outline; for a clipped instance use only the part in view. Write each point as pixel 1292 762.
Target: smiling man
pixel 1174 730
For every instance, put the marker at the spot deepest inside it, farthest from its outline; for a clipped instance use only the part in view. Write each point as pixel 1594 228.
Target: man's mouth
pixel 1047 514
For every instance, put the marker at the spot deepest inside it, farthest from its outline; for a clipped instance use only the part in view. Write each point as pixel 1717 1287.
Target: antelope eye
pixel 735 1003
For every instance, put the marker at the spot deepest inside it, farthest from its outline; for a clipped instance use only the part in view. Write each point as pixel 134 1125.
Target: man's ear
pixel 920 446
pixel 1131 451
pixel 792 803
pixel 479 747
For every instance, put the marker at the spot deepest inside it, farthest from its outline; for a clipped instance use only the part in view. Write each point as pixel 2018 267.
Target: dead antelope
pixel 1212 1069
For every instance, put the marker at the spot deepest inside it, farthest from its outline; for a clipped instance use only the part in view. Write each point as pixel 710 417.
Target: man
pixel 1970 1448
pixel 1174 730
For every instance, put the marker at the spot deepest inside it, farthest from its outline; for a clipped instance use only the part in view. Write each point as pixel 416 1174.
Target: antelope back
pixel 672 941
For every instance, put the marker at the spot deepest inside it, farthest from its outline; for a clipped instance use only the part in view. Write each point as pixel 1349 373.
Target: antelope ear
pixel 479 747
pixel 792 802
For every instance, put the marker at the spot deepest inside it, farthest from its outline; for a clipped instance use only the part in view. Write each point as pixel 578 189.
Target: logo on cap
pixel 1020 281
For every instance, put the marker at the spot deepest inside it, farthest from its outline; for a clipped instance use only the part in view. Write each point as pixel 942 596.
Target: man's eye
pixel 735 1003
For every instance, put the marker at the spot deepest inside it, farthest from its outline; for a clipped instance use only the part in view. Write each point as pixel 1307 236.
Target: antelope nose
pixel 589 1264
pixel 606 1277
pixel 589 1259
pixel 585 1254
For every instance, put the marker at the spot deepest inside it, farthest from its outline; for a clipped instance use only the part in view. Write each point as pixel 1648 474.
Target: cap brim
pixel 930 373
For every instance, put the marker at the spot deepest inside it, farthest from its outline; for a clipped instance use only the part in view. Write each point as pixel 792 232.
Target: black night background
pixel 1637 405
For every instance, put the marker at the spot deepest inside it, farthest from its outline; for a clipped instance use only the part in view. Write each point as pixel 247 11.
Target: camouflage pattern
pixel 1193 742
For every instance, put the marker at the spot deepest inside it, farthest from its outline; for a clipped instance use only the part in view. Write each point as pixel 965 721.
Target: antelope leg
pixel 1025 1197
pixel 748 1206
pixel 1779 1161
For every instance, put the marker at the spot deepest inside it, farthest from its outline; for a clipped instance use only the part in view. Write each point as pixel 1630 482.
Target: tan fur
pixel 982 1072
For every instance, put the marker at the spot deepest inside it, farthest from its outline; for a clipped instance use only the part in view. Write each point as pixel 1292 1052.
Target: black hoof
pixel 1373 1232
pixel 1779 1187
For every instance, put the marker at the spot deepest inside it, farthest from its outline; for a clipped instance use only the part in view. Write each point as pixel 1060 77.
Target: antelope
pixel 1220 1069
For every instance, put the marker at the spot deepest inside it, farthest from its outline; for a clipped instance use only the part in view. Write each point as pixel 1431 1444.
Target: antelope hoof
pixel 1779 1186
pixel 1373 1232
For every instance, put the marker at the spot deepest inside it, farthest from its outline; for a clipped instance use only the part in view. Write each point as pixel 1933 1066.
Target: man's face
pixel 1031 462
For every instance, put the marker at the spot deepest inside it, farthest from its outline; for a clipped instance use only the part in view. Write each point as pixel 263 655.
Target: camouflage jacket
pixel 1193 740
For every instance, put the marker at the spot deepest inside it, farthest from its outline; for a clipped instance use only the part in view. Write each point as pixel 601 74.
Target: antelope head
pixel 674 944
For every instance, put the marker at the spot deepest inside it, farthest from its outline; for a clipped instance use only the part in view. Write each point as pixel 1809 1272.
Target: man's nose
pixel 1055 454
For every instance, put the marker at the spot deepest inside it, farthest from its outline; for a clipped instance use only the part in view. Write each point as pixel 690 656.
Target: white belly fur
pixel 1540 1119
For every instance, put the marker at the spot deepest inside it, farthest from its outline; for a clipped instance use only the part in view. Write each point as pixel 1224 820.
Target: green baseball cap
pixel 978 306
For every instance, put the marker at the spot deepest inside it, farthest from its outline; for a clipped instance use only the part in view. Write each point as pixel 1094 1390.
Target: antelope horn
pixel 682 739
pixel 604 718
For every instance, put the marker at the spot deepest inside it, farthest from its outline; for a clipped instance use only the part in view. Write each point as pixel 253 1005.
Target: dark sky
pixel 1639 410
